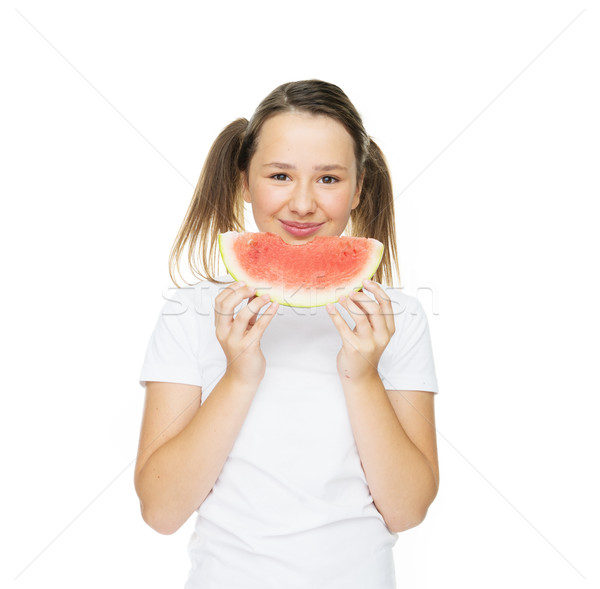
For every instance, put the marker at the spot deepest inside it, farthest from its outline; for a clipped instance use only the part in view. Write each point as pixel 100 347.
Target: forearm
pixel 179 475
pixel 401 480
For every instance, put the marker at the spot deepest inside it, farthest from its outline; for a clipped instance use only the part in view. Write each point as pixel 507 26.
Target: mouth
pixel 300 229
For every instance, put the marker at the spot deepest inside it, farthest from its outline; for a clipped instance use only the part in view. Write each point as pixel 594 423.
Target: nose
pixel 302 200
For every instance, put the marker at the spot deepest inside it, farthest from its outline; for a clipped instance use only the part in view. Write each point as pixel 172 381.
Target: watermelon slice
pixel 307 275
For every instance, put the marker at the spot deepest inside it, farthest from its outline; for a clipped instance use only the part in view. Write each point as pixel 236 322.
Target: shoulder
pixel 407 362
pixel 410 320
pixel 183 336
pixel 405 307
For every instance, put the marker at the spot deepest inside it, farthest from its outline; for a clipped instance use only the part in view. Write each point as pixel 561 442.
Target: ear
pixel 356 198
pixel 246 188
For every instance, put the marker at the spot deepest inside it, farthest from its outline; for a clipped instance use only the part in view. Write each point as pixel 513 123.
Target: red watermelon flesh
pixel 307 275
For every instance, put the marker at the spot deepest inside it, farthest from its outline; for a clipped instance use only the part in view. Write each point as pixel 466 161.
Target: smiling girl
pixel 304 441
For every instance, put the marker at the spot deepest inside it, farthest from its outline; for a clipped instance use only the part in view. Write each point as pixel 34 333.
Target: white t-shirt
pixel 291 507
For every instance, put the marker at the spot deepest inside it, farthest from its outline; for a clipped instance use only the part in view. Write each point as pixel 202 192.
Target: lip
pixel 300 229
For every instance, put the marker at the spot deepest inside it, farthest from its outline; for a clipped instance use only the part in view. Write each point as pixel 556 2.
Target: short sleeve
pixel 407 363
pixel 174 350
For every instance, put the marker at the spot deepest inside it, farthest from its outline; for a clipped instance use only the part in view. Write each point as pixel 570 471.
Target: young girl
pixel 303 438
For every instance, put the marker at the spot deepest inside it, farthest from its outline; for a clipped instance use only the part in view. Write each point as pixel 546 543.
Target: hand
pixel 363 346
pixel 240 335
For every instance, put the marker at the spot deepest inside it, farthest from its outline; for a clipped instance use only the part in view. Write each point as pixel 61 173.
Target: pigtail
pixel 216 207
pixel 374 215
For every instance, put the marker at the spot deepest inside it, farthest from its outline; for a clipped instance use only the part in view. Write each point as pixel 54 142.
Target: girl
pixel 303 438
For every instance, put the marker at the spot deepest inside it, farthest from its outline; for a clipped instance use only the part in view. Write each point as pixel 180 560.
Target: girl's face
pixel 301 180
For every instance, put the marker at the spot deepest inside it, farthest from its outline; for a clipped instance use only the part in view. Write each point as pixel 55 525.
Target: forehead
pixel 304 134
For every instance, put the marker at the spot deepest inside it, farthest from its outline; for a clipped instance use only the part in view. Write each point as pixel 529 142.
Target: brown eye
pixel 328 180
pixel 281 177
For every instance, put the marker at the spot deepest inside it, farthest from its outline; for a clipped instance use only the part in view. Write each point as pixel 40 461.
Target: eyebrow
pixel 323 168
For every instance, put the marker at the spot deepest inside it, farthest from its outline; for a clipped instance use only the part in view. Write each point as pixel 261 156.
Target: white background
pixel 488 114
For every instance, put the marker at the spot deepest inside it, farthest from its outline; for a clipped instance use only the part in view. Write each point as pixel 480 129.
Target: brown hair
pixel 217 205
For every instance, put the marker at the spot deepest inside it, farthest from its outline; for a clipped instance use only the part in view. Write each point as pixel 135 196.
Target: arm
pixel 183 446
pixel 395 437
pixel 184 443
pixel 394 430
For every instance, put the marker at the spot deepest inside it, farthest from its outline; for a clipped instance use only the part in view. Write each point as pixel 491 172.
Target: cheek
pixel 342 202
pixel 264 201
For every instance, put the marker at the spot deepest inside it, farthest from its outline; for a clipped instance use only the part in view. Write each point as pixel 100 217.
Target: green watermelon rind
pixel 355 285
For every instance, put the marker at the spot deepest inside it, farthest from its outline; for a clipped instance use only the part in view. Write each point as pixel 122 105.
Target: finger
pixel 340 323
pixel 254 317
pixel 263 321
pixel 360 316
pixel 227 301
pixel 229 288
pixel 229 298
pixel 384 301
pixel 372 310
pixel 227 292
pixel 242 320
